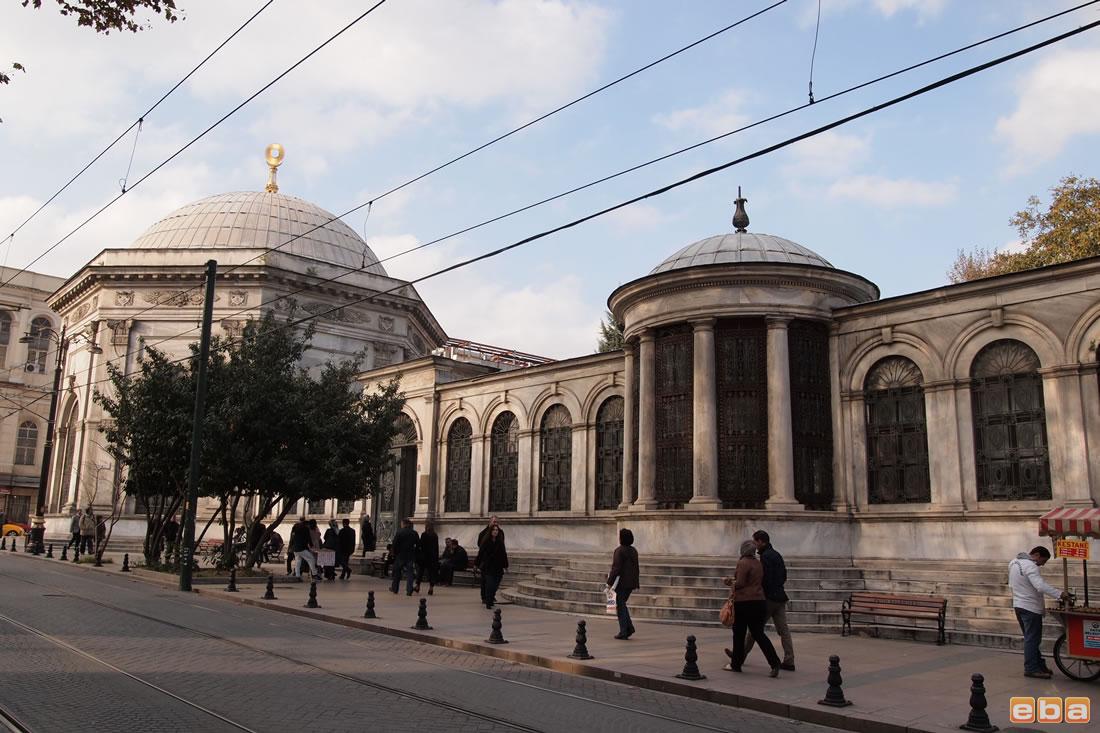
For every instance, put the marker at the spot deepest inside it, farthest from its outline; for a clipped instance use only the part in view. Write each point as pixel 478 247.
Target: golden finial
pixel 275 156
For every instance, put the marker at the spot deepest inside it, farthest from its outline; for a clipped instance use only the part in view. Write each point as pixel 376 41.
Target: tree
pixel 1069 229
pixel 611 334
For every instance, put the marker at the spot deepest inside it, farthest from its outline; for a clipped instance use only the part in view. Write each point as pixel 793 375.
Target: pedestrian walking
pixel 405 542
pixel 1028 588
pixel 482 536
pixel 428 558
pixel 624 578
pixel 329 546
pixel 775 597
pixel 255 543
pixel 493 561
pixel 345 549
pixel 170 532
pixel 300 547
pixel 367 535
pixel 749 609
pixel 74 530
pixel 87 532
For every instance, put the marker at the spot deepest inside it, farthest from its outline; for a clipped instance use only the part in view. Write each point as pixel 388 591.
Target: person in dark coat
pixel 428 558
pixel 405 542
pixel 624 577
pixel 74 529
pixel 749 609
pixel 481 537
pixel 345 549
pixel 775 576
pixel 367 535
pixel 302 552
pixel 331 542
pixel 169 533
pixel 255 541
pixel 492 558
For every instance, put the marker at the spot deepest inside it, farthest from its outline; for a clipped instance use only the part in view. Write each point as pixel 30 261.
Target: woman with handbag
pixel 749 610
pixel 623 579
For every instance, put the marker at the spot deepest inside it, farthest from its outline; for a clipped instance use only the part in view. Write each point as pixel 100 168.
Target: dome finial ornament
pixel 740 218
pixel 275 156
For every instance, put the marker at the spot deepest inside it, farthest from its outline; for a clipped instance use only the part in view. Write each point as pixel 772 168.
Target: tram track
pixel 379 686
pixel 11 722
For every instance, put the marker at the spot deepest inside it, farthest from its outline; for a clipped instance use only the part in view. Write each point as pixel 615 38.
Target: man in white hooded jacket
pixel 1028 588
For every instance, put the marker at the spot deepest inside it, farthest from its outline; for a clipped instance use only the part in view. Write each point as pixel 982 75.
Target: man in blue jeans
pixel 405 542
pixel 1028 588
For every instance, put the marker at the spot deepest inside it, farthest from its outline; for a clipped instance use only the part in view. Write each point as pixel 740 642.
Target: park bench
pixel 894 606
pixel 380 566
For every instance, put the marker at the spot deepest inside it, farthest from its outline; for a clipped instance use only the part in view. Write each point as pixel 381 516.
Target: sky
pixel 893 196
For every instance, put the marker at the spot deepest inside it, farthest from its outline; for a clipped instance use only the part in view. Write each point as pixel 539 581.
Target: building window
pixel 5 335
pixel 897 437
pixel 315 506
pixel 26 444
pixel 609 453
pixel 345 506
pixel 742 387
pixel 811 414
pixel 555 459
pixel 39 346
pixel 674 415
pixel 457 498
pixel 504 463
pixel 1010 432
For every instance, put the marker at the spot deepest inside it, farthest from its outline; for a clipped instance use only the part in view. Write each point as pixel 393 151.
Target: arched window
pixel 897 436
pixel 457 498
pixel 504 463
pixel 609 453
pixel 1010 432
pixel 39 346
pixel 555 459
pixel 5 335
pixel 26 444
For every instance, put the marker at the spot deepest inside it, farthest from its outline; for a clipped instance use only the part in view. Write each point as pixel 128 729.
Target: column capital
pixel 645 335
pixel 703 324
pixel 778 322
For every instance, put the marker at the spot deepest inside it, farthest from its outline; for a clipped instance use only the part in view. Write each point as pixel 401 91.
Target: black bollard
pixel 4 543
pixel 370 606
pixel 49 551
pixel 232 587
pixel 13 544
pixel 691 669
pixel 269 594
pixel 422 616
pixel 312 602
pixel 834 696
pixel 126 562
pixel 580 651
pixel 495 636
pixel 979 718
pixel 65 552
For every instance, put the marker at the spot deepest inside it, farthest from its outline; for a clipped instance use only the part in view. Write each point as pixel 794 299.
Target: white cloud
pixel 925 9
pixel 1056 101
pixel 888 192
pixel 637 218
pixel 714 118
pixel 830 153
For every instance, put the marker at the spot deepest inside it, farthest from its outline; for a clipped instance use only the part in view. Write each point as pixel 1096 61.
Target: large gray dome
pixel 257 219
pixel 739 247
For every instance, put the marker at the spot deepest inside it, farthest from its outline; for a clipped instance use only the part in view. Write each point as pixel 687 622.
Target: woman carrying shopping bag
pixel 749 610
pixel 623 579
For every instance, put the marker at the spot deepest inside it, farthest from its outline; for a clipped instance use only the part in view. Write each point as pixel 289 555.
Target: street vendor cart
pixel 1077 651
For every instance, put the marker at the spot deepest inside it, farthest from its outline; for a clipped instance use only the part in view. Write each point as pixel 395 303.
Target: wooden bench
pixel 891 605
pixel 380 566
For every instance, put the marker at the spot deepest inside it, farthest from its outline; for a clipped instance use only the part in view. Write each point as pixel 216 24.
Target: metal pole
pixel 187 548
pixel 47 447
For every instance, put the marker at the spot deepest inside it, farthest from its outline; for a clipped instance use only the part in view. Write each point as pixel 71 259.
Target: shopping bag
pixel 725 616
pixel 612 606
pixel 326 557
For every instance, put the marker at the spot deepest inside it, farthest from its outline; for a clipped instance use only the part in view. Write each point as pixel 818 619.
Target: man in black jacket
pixel 775 575
pixel 345 549
pixel 405 542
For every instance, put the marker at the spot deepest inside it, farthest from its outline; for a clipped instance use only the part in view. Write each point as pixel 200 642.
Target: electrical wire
pixel 125 178
pixel 813 54
pixel 137 122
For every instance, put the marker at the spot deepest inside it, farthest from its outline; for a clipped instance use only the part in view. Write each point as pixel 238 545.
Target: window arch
pixel 897 434
pixel 1010 435
pixel 5 335
pixel 39 345
pixel 609 453
pixel 555 459
pixel 457 498
pixel 504 463
pixel 26 444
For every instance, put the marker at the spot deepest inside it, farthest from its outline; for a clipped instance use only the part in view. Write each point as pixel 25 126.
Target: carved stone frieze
pixel 238 297
pixel 385 354
pixel 124 297
pixel 323 311
pixel 178 298
pixel 385 323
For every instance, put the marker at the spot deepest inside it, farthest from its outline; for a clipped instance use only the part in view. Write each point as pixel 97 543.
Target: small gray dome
pixel 739 247
pixel 259 219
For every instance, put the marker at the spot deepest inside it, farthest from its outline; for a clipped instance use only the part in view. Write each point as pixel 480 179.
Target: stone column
pixel 527 496
pixel 842 491
pixel 704 419
pixel 630 478
pixel 780 440
pixel 942 426
pixel 478 493
pixel 647 414
pixel 1067 449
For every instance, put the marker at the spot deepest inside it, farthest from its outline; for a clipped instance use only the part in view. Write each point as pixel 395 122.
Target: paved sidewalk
pixel 894 685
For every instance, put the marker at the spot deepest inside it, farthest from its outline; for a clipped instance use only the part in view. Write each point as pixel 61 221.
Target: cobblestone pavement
pixel 265 671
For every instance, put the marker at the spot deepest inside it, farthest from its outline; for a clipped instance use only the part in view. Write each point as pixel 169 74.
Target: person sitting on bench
pixel 454 558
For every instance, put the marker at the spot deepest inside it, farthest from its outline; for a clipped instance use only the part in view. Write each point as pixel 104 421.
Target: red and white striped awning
pixel 1071 522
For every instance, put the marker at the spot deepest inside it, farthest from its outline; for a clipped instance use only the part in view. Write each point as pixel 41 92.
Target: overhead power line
pixel 140 119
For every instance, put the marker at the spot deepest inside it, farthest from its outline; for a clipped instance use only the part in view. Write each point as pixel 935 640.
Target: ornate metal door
pixel 609 453
pixel 742 380
pixel 675 414
pixel 897 439
pixel 504 464
pixel 811 413
pixel 457 498
pixel 555 459
pixel 397 486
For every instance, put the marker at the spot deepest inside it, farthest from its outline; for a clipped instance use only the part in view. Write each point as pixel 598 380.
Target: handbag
pixel 612 607
pixel 725 616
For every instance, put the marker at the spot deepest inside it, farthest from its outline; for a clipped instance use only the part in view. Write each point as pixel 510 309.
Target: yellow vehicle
pixel 11 529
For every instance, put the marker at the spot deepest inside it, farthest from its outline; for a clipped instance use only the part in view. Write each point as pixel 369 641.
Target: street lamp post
pixel 62 342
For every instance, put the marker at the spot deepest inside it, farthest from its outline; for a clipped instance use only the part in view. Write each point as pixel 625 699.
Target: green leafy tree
pixel 611 334
pixel 1068 229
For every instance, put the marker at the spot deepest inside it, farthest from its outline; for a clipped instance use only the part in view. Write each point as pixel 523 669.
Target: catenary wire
pixel 139 120
pixel 813 54
pixel 195 139
pixel 945 81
